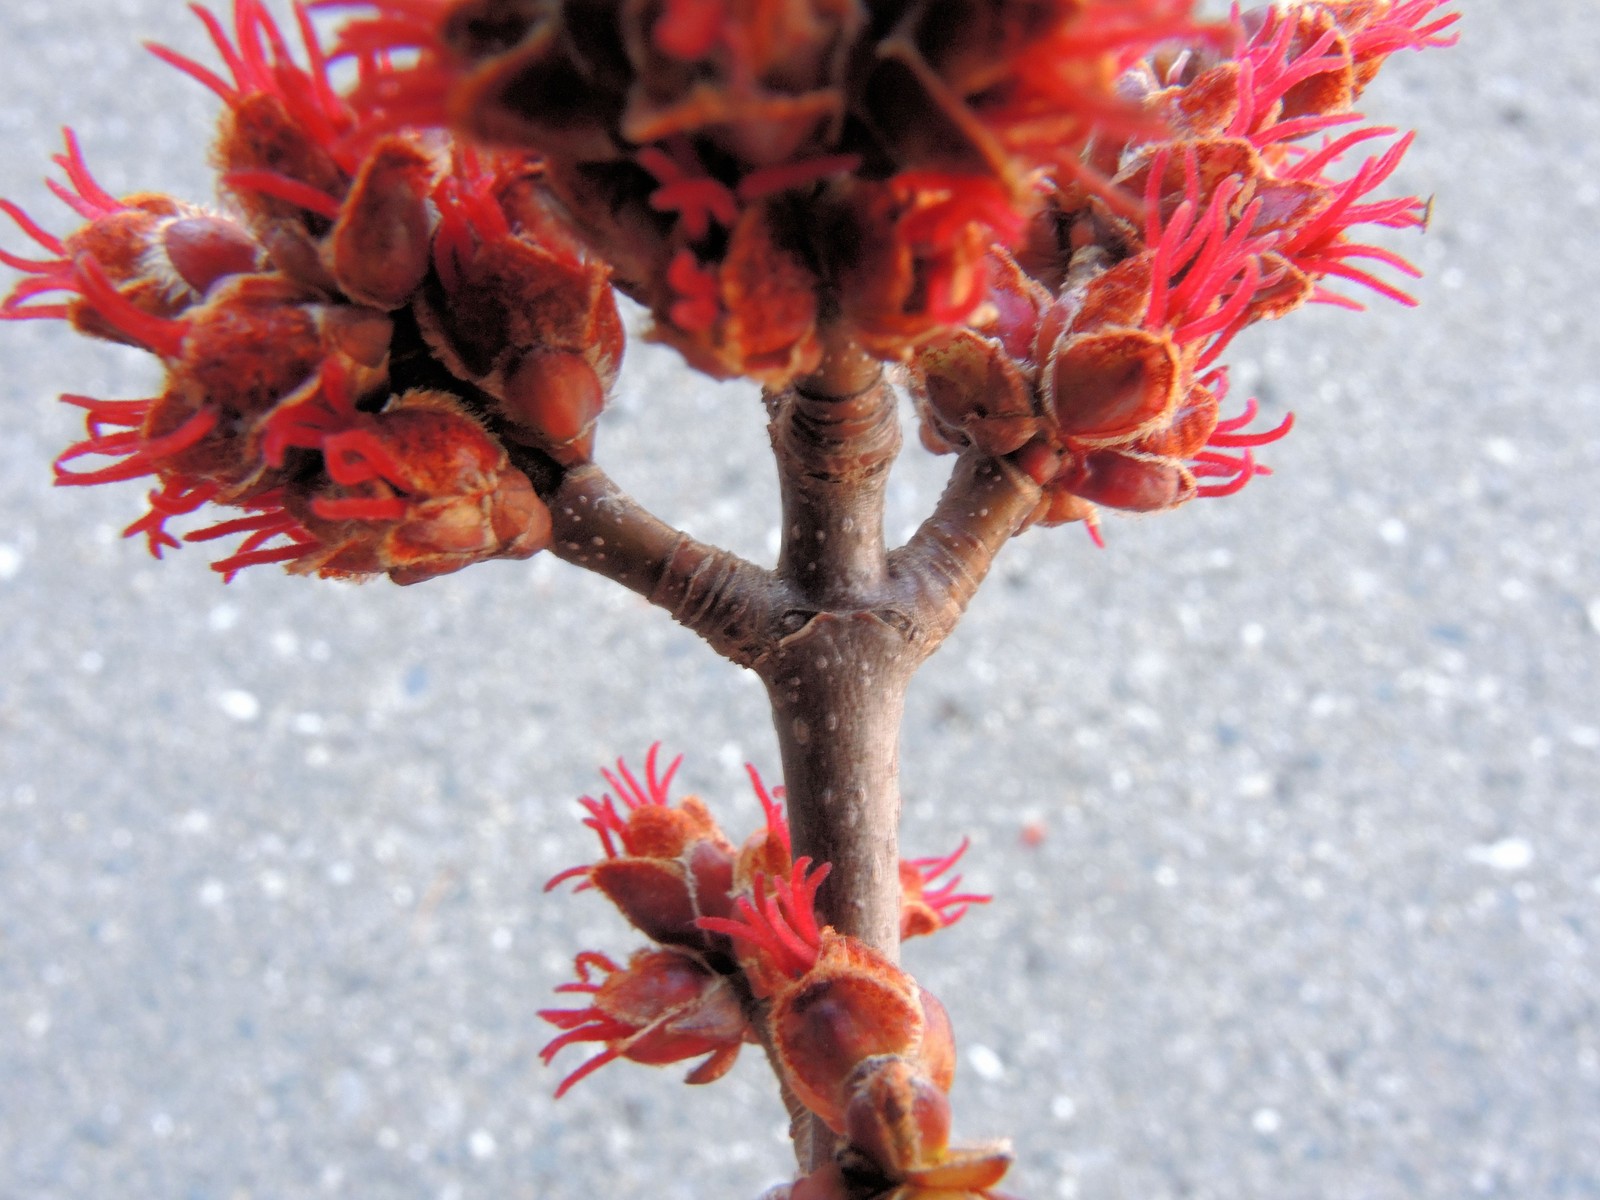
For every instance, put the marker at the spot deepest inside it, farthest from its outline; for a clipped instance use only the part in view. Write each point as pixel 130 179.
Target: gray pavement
pixel 1316 912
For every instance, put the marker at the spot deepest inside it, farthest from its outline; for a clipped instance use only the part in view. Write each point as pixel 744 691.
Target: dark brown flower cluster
pixel 767 175
pixel 1095 358
pixel 341 341
pixel 739 957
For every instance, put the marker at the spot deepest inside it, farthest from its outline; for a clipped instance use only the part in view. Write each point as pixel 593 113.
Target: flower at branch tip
pixel 664 1007
pixel 336 214
pixel 1094 360
pixel 759 175
pixel 160 255
pixel 415 490
pixel 312 386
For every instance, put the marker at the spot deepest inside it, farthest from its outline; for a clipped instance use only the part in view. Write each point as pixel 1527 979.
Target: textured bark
pixel 838 690
pixel 834 456
pixel 837 678
pixel 731 603
pixel 939 569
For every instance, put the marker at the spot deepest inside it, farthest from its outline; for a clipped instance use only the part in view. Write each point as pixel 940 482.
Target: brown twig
pixel 983 506
pixel 730 602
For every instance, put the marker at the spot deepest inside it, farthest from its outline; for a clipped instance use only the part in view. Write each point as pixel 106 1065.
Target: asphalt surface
pixel 1316 907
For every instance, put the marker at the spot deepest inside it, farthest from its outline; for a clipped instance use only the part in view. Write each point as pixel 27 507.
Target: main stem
pixel 836 631
pixel 837 678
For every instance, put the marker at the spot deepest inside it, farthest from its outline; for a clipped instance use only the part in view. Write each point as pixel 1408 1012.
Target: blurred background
pixel 1288 801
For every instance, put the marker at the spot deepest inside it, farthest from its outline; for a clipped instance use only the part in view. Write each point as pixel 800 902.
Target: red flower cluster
pixel 324 340
pixel 1060 211
pixel 857 1040
pixel 758 174
pixel 1095 360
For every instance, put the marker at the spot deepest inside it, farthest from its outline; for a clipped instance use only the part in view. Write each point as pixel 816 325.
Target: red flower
pixel 856 1040
pixel 756 173
pixel 768 851
pixel 417 490
pixel 666 866
pixel 261 64
pixel 1379 28
pixel 663 1007
pixel 158 254
pixel 301 388
pixel 1096 359
pixel 925 908
pixel 393 99
pixel 836 1002
pixel 775 926
pixel 516 309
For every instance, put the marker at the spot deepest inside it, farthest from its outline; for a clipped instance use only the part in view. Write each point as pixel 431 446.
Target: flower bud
pixel 556 397
pixel 896 1116
pixel 853 1004
pixel 972 393
pixel 378 250
pixel 1112 386
pixel 1127 480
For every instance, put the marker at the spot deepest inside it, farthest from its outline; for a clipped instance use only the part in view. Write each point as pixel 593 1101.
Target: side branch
pixel 730 602
pixel 939 569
